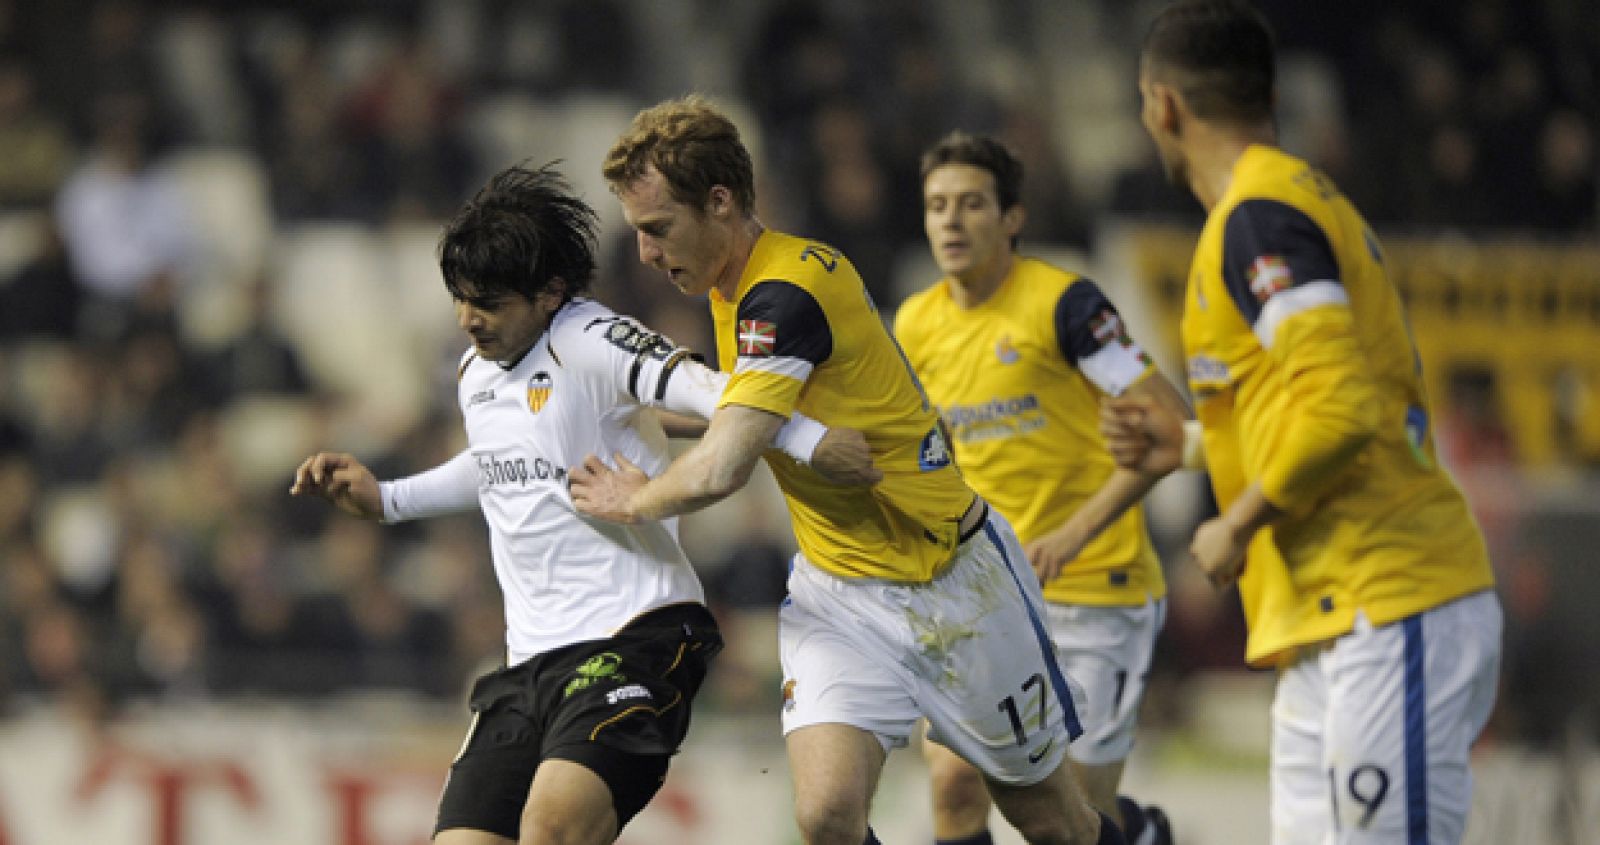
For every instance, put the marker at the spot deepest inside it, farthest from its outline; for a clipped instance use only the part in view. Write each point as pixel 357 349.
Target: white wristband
pixel 1194 446
pixel 799 437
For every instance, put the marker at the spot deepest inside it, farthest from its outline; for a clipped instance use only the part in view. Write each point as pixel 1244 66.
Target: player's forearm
pixel 1121 491
pixel 712 469
pixel 450 487
pixel 1251 512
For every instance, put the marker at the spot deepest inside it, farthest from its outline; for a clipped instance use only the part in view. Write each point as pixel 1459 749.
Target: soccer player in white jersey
pixel 607 633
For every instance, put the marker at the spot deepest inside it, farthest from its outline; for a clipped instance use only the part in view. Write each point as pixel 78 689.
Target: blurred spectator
pixel 43 298
pixel 259 359
pixel 123 219
pixel 1567 188
pixel 852 206
pixel 404 120
pixel 314 171
pixel 35 148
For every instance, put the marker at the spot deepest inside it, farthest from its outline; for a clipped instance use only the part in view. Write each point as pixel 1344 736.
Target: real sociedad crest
pixel 539 390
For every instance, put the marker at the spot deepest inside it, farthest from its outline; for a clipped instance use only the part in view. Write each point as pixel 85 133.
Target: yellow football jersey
pixel 802 334
pixel 1018 380
pixel 1305 380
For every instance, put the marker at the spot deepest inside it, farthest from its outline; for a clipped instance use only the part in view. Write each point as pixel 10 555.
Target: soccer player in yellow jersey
pixel 909 599
pixel 1016 355
pixel 1363 576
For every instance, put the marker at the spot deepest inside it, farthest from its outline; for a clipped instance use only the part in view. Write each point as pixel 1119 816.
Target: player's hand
pixel 843 457
pixel 1218 549
pixel 342 480
pixel 1051 553
pixel 1143 435
pixel 605 493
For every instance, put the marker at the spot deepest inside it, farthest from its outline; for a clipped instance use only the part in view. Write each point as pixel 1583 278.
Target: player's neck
pixel 1214 153
pixel 970 291
pixel 745 234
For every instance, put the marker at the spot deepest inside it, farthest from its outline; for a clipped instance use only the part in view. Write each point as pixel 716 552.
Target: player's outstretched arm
pixel 341 479
pixel 711 470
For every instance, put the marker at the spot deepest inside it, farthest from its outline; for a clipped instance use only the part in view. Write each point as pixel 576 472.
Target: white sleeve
pixel 450 487
pixel 694 389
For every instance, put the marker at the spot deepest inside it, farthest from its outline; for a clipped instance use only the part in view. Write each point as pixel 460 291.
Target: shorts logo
pixel 539 388
pixel 601 667
pixel 757 337
pixel 1005 351
pixel 788 695
pixel 1269 275
pixel 627 692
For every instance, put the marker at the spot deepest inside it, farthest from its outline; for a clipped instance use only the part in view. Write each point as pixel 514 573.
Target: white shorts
pixel 968 651
pixel 1107 650
pixel 1372 731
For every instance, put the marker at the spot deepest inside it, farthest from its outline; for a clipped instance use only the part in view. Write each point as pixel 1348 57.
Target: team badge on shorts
pixel 788 695
pixel 539 390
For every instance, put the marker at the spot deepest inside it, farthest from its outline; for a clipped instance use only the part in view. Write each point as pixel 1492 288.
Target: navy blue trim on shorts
pixel 1058 681
pixel 1416 734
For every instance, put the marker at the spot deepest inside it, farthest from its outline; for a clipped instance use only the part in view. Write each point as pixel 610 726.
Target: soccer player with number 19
pixel 1363 576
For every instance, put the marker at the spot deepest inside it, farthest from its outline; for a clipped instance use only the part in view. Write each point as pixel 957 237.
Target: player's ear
pixel 555 291
pixel 719 201
pixel 1168 107
pixel 1011 219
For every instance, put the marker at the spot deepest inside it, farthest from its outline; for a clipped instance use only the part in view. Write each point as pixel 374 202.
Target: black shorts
pixel 619 707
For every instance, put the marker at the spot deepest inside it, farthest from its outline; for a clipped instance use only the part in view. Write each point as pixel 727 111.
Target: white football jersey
pixel 580 390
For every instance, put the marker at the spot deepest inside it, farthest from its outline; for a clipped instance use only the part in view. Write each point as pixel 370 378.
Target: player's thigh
pixel 1300 798
pixel 835 768
pixel 1107 651
pixel 568 803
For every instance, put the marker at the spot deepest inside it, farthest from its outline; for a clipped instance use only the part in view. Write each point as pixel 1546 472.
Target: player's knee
pixel 539 828
pixel 958 787
pixel 831 818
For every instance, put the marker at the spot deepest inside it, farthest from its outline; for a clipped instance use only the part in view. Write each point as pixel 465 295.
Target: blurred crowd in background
pixel 169 171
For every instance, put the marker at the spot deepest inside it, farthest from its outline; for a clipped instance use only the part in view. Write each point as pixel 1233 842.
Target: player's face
pixel 692 246
pixel 503 327
pixel 969 234
pixel 1153 114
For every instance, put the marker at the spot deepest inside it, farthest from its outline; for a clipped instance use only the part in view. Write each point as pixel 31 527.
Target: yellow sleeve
pixel 1332 410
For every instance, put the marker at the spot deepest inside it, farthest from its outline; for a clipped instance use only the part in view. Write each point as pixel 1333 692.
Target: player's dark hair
pixel 979 151
pixel 1219 55
pixel 523 229
pixel 693 145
